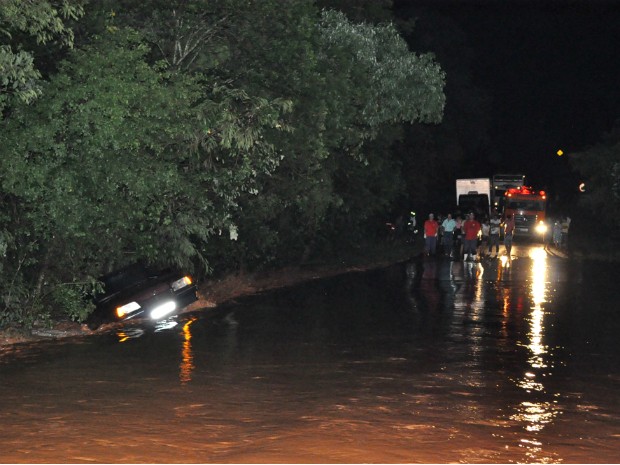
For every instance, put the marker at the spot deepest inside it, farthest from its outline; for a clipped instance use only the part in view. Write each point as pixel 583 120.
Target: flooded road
pixel 502 361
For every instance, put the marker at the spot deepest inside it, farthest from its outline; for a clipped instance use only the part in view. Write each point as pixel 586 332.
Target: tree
pixel 348 83
pixel 20 20
pixel 600 167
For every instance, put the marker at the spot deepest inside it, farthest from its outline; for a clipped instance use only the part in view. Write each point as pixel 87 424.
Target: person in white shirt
pixel 495 224
pixel 448 227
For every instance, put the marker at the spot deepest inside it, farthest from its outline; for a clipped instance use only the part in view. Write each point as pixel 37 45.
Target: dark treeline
pixel 217 136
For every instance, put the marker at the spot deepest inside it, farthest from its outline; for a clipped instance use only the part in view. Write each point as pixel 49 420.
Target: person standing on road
pixel 565 226
pixel 439 221
pixel 431 227
pixel 485 230
pixel 458 238
pixel 509 229
pixel 448 226
pixel 495 224
pixel 471 228
pixel 557 233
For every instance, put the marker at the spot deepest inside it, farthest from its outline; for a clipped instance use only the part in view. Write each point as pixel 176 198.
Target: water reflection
pixel 165 325
pixel 470 294
pixel 124 334
pixel 187 356
pixel 536 330
pixel 536 413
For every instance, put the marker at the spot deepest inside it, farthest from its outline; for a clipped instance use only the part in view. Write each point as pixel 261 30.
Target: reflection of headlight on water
pixel 541 228
pixel 129 333
pixel 539 275
pixel 164 325
pixel 539 257
pixel 535 415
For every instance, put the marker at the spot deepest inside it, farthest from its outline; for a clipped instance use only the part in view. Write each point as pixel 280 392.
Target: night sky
pixel 552 69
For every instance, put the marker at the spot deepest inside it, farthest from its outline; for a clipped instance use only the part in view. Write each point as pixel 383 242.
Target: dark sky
pixel 552 69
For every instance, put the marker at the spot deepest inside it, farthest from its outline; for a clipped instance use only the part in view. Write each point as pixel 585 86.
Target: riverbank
pixel 215 292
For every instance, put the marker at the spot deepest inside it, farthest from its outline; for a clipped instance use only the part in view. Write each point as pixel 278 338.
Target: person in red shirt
pixel 471 228
pixel 431 228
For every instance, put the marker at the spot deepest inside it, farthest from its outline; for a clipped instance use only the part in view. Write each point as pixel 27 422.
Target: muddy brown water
pixel 499 362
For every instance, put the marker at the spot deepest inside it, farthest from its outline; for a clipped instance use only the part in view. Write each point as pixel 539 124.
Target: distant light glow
pixel 560 152
pixel 582 187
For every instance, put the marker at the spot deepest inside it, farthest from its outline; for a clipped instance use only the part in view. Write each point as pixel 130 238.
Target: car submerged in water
pixel 139 291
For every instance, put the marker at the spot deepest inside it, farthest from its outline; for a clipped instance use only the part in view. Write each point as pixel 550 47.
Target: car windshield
pixel 526 205
pixel 124 279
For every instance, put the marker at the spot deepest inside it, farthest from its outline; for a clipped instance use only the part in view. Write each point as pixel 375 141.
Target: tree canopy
pixel 23 24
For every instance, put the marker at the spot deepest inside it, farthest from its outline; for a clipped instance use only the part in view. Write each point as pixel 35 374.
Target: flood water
pixel 504 361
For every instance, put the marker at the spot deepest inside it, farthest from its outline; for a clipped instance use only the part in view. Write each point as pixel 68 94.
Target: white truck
pixel 474 194
pixel 501 183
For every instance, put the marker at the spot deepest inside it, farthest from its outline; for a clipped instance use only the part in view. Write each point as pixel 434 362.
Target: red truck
pixel 528 207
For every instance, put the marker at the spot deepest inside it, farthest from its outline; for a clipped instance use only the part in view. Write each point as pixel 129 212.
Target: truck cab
pixel 528 207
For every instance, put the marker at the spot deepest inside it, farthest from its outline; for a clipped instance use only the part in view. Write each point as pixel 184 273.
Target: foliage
pixel 41 20
pixel 347 94
pixel 600 168
pixel 400 85
pixel 124 162
pixel 72 300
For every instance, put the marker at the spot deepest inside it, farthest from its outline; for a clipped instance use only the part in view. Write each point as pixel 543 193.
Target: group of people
pixel 467 238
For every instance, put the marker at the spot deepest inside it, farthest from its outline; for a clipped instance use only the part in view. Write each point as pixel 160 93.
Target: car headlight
pixel 541 228
pixel 126 309
pixel 163 310
pixel 181 283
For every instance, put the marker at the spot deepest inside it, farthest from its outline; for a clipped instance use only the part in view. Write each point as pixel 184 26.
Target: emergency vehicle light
pixel 524 191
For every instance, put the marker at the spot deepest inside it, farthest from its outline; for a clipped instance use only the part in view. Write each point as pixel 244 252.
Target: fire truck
pixel 528 207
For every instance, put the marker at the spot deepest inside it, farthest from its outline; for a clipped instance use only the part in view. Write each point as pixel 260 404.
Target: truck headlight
pixel 181 283
pixel 541 228
pixel 126 309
